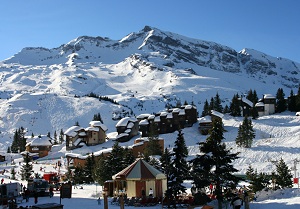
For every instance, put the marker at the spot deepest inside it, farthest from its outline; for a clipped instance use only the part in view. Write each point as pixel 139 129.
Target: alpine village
pixel 118 115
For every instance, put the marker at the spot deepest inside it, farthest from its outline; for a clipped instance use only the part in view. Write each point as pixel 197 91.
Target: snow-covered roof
pixel 157 119
pixel 269 96
pixel 151 117
pixel 205 119
pixel 98 124
pixel 143 116
pixel 259 104
pixel 40 141
pixel 176 110
pixel 188 107
pixel 216 113
pixel 130 125
pixel 82 134
pixel 182 112
pixel 144 122
pixel 124 121
pixel 163 114
pixel 91 129
pixel 122 135
pixel 247 101
pixel 72 131
pixel 169 115
pixel 77 141
pixel 127 130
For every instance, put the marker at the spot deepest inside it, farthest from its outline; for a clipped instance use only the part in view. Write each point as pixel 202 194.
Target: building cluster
pixel 147 124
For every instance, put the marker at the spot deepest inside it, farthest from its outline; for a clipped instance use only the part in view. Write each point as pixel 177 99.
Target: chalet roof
pixel 157 119
pixel 205 119
pixel 216 113
pixel 144 122
pixel 176 110
pixel 182 112
pixel 124 121
pixel 188 107
pixel 163 114
pixel 98 124
pixel 269 96
pixel 151 117
pixel 139 170
pixel 169 115
pixel 247 101
pixel 40 141
pixel 72 131
pixel 122 135
pixel 259 104
pixel 143 116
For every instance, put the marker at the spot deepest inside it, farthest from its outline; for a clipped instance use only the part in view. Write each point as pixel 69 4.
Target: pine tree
pixel 234 107
pixel 13 173
pixel 26 169
pixel 246 134
pixel 61 136
pixel 55 137
pixel 165 161
pixel 179 167
pixel 215 163
pixel 88 169
pixel 280 101
pixel 292 102
pixel 78 175
pixel 153 147
pixel 284 176
pixel 8 149
pixel 218 103
pixel 97 117
pixel 206 109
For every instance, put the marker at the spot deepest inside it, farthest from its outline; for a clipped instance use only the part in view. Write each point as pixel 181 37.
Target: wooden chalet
pixel 266 105
pixel 168 121
pixel 76 136
pixel 205 123
pixel 246 106
pixel 40 145
pixel 127 128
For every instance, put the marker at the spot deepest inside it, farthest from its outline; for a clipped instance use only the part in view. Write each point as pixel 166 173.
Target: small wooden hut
pixel 139 176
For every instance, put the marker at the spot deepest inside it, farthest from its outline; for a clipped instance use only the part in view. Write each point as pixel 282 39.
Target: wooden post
pixel 121 201
pixel 105 198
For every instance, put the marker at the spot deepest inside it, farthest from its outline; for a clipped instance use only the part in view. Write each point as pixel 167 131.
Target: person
pixel 150 192
pixel 2 180
pixel 236 202
pixel 27 194
pixel 35 197
pixel 246 200
pixel 143 193
pixel 51 193
pixel 99 201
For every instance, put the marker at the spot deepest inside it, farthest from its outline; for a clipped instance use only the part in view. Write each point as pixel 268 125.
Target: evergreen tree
pixel 78 175
pixel 77 123
pixel 153 147
pixel 88 169
pixel 226 109
pixel 218 103
pixel 165 162
pixel 61 136
pixel 292 102
pixel 97 117
pixel 215 163
pixel 284 176
pixel 8 149
pixel 234 107
pixel 211 104
pixel 19 141
pixel 179 169
pixel 55 137
pixel 118 159
pixel 280 101
pixel 49 135
pixel 100 173
pixel 246 134
pixel 254 112
pixel 206 109
pixel 13 173
pixel 26 169
pixel 252 96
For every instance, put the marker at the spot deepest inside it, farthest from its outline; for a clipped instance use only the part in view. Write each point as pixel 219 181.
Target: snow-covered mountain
pixel 45 90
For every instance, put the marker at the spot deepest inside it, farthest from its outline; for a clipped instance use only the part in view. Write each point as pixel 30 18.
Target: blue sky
pixel 270 26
